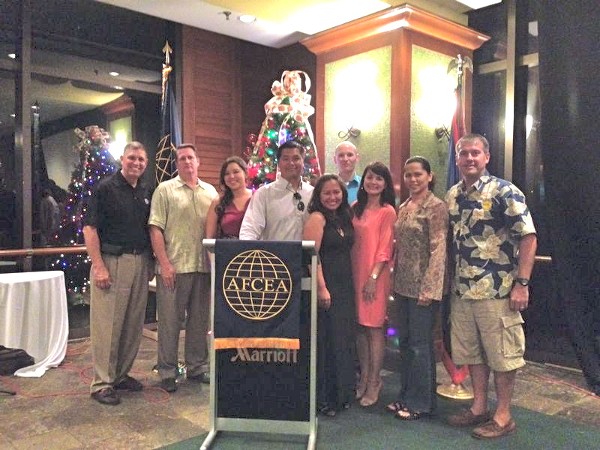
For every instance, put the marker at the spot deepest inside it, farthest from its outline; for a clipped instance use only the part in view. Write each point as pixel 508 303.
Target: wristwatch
pixel 522 281
pixel 374 276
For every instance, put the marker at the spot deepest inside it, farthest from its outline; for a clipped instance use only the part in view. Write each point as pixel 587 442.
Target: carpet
pixel 375 429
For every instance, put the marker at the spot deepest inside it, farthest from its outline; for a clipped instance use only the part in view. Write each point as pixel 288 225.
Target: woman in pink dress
pixel 374 217
pixel 227 211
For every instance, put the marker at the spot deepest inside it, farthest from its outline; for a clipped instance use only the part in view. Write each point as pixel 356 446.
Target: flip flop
pixel 406 414
pixel 327 410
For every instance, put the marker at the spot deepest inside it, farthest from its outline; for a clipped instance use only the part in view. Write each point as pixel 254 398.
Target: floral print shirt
pixel 487 222
pixel 420 256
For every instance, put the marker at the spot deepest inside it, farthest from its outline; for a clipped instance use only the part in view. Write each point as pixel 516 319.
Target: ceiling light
pixel 477 4
pixel 119 88
pixel 114 74
pixel 12 55
pixel 247 18
pixel 13 115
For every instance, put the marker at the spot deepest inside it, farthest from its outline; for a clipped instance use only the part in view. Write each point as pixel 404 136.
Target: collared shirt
pixel 352 188
pixel 273 213
pixel 421 249
pixel 180 212
pixel 119 212
pixel 487 222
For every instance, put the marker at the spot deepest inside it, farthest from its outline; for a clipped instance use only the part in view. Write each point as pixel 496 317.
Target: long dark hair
pixel 387 196
pixel 342 217
pixel 227 196
pixel 425 166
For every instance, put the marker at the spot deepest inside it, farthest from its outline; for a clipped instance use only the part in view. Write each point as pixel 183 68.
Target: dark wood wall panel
pixel 211 98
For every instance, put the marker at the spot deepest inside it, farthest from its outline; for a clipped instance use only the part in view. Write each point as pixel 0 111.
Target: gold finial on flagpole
pixel 167 50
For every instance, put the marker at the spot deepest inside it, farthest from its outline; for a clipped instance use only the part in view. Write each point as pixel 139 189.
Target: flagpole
pixel 458 374
pixel 170 125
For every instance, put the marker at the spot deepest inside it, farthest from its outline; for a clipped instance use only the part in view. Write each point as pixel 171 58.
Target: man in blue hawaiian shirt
pixel 493 249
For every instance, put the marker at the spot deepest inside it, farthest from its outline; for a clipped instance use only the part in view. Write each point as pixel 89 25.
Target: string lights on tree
pixel 95 163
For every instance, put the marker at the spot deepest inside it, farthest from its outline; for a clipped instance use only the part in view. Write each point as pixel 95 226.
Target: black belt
pixel 118 250
pixel 134 251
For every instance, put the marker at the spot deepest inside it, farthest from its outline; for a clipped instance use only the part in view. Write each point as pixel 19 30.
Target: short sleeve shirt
pixel 180 212
pixel 120 212
pixel 487 222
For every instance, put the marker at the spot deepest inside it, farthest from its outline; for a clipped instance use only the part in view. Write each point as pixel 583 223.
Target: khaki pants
pixel 117 318
pixel 189 303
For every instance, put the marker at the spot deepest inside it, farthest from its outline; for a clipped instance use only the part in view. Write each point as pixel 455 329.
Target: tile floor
pixel 56 412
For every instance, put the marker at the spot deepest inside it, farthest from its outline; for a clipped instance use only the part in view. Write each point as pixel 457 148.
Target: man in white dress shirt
pixel 277 211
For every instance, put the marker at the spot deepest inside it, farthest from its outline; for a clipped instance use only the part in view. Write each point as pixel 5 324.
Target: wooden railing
pixel 77 249
pixel 42 251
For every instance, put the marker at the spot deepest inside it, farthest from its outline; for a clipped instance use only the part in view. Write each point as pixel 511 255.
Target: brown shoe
pixel 491 430
pixel 106 396
pixel 466 418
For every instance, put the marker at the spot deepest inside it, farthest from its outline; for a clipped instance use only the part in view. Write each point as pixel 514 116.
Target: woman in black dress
pixel 330 226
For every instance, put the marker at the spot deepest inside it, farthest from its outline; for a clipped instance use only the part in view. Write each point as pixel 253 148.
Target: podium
pixel 262 370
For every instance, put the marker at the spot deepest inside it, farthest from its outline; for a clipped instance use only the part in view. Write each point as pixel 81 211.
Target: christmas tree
pixel 95 163
pixel 286 119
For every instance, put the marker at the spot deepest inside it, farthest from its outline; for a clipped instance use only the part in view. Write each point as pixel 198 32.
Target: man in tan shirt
pixel 177 221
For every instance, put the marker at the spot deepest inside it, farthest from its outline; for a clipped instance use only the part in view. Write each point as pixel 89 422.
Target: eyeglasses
pixel 300 205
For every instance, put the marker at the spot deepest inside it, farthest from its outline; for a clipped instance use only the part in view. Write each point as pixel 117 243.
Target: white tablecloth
pixel 33 317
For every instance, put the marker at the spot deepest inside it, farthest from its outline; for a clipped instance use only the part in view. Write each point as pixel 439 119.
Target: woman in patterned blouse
pixel 420 232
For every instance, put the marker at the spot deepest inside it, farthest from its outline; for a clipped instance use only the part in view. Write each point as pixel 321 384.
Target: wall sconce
pixel 441 132
pixel 351 132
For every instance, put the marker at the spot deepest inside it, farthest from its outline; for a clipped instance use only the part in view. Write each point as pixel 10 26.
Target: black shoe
pixel 203 377
pixel 169 384
pixel 129 384
pixel 106 396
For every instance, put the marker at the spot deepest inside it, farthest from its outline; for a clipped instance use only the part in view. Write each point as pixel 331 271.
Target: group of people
pixel 479 245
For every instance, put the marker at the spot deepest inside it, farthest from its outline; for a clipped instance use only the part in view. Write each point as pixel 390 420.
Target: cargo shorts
pixel 486 332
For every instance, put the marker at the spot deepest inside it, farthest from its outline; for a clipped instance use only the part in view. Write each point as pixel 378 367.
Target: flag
pixel 170 124
pixel 457 130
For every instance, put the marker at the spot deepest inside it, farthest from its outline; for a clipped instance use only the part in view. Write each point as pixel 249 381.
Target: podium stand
pixel 266 390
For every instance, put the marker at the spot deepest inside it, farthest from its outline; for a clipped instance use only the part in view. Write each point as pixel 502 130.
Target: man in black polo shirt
pixel 116 235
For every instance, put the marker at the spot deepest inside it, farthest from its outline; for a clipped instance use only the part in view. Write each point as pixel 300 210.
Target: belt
pixel 134 251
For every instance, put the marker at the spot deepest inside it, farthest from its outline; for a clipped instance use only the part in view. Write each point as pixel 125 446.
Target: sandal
pixel 327 411
pixel 395 407
pixel 407 414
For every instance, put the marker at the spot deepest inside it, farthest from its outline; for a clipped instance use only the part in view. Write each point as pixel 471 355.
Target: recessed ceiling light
pixel 247 18
pixel 12 55
pixel 114 74
pixel 119 88
pixel 477 4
